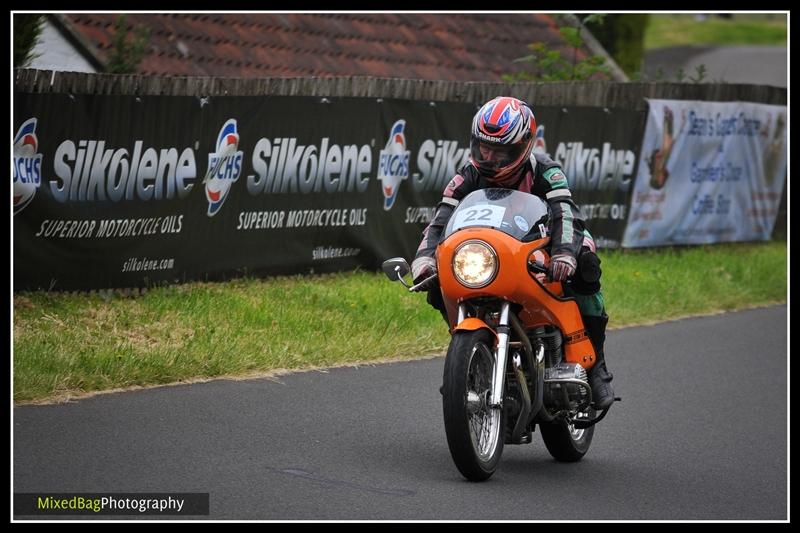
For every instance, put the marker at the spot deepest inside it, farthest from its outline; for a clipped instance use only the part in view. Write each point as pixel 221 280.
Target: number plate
pixel 484 215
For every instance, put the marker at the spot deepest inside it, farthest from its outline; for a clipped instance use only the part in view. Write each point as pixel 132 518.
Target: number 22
pixel 472 215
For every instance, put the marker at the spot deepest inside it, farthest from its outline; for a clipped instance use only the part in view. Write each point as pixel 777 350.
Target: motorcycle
pixel 519 353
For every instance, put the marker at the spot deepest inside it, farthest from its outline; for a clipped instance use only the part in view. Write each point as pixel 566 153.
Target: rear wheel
pixel 473 428
pixel 566 443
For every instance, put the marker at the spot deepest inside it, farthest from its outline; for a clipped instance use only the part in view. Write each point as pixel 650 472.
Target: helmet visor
pixel 495 157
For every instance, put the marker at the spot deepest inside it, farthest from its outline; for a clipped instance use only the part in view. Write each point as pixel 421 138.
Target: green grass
pixel 742 29
pixel 642 286
pixel 66 344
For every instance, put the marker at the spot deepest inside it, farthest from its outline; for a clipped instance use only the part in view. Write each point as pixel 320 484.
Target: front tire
pixel 474 430
pixel 564 442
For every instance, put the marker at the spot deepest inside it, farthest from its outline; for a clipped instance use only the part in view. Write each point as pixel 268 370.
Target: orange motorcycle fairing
pixel 473 324
pixel 542 303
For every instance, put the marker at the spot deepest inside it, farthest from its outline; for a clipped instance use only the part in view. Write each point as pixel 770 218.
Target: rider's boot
pixel 599 376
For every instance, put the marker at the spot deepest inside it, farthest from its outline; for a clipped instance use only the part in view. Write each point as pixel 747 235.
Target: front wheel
pixel 473 428
pixel 566 443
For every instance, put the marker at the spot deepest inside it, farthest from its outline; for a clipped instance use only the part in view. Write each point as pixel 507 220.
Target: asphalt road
pixel 701 434
pixel 758 65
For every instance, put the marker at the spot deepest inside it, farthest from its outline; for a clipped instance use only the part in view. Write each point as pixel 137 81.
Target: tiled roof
pixel 449 46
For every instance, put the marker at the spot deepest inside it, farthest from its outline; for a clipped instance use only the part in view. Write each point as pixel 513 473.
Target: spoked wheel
pixel 473 428
pixel 564 441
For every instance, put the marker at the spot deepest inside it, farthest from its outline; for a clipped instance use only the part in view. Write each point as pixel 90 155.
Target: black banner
pixel 598 149
pixel 123 191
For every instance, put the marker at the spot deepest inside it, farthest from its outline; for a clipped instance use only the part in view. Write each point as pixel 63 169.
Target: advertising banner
pixel 598 149
pixel 120 191
pixel 125 191
pixel 709 172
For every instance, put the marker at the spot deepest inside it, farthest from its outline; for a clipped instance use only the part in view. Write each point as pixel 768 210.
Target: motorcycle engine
pixel 565 386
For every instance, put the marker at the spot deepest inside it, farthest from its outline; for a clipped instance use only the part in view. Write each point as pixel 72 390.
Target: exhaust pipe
pixel 522 419
pixel 535 363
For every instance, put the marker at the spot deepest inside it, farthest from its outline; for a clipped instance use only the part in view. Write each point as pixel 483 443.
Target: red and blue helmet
pixel 502 139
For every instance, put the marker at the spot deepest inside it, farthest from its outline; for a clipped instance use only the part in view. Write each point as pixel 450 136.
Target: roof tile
pixel 457 46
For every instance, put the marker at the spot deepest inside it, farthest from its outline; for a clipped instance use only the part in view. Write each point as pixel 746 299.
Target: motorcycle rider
pixel 501 144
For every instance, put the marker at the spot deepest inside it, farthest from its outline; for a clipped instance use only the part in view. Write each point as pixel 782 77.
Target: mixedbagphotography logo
pixel 27 165
pixel 111 503
pixel 393 164
pixel 224 167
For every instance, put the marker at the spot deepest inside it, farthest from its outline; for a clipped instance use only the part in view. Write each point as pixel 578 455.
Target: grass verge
pixel 67 344
pixel 740 29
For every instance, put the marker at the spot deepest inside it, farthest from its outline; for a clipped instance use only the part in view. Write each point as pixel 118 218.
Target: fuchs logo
pixel 27 165
pixel 539 145
pixel 224 167
pixel 393 164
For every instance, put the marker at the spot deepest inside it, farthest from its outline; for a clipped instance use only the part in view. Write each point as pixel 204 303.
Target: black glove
pixel 562 266
pixel 423 268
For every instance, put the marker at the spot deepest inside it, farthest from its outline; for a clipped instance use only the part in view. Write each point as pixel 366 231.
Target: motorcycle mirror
pixel 396 268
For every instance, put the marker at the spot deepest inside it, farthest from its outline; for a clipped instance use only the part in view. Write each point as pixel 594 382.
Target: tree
pixel 126 56
pixel 551 65
pixel 623 38
pixel 27 29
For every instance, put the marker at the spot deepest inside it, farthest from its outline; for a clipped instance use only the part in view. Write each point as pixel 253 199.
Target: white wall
pixel 57 53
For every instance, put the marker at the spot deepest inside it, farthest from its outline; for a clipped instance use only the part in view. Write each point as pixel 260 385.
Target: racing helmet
pixel 501 139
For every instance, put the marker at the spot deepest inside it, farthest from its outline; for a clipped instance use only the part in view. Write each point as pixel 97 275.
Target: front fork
pixel 500 352
pixel 500 358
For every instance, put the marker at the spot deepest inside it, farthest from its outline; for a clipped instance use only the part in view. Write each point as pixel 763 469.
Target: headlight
pixel 475 264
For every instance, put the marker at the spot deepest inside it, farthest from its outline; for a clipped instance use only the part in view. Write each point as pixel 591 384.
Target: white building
pixel 61 48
